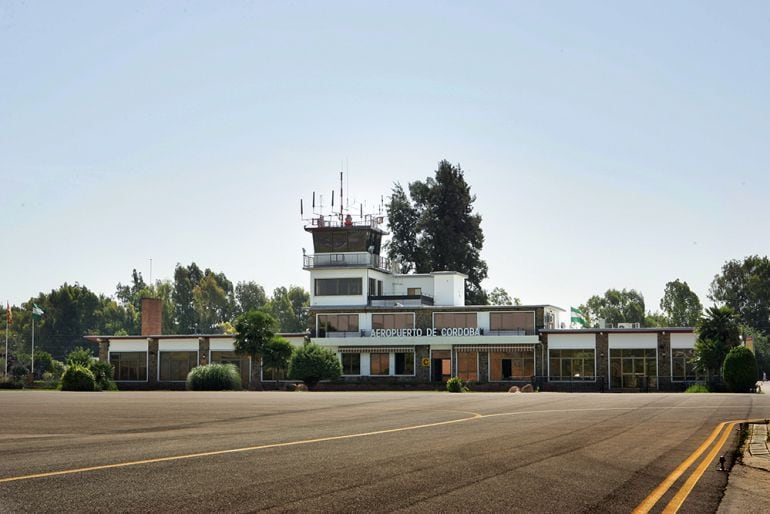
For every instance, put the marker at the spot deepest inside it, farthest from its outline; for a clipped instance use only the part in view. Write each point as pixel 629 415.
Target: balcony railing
pixel 514 332
pixel 400 300
pixel 335 260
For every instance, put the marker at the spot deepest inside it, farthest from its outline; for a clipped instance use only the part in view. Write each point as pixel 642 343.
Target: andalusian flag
pixel 37 311
pixel 577 317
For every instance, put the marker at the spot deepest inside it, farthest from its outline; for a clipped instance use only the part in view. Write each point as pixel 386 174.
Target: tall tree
pixel 254 330
pixel 626 306
pixel 402 221
pixel 680 305
pixel 437 230
pixel 185 280
pixel 290 308
pixel 499 296
pixel 249 296
pixel 745 286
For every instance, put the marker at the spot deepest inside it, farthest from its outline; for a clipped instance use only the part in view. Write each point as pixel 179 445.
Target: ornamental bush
pixel 456 385
pixel 214 377
pixel 311 364
pixel 740 370
pixel 78 378
pixel 103 374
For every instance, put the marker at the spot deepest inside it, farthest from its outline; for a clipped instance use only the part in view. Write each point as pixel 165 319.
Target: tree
pixel 276 355
pixel 718 332
pixel 437 230
pixel 500 296
pixel 254 330
pixel 707 357
pixel 290 308
pixel 312 363
pixel 626 306
pixel 250 296
pixel 745 286
pixel 680 305
pixel 656 319
pixel 185 280
pixel 402 221
pixel 740 370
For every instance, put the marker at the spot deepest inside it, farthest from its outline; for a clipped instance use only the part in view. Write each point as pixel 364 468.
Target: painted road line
pixel 657 493
pixel 679 498
pixel 474 416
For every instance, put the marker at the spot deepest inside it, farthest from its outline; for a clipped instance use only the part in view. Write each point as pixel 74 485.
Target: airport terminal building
pixel 398 330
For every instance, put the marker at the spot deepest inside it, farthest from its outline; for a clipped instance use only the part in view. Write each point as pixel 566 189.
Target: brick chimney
pixel 152 317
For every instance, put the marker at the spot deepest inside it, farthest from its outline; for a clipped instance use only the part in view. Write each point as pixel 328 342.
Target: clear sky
pixel 610 144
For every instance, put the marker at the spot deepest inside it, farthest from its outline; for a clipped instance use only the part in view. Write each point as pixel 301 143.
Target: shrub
pixel 78 378
pixel 57 369
pixel 43 362
pixel 19 371
pixel 7 383
pixel 80 356
pixel 740 369
pixel 312 363
pixel 103 375
pixel 456 385
pixel 697 388
pixel 214 377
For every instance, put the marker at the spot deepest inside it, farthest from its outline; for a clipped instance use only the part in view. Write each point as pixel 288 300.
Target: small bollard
pixel 721 463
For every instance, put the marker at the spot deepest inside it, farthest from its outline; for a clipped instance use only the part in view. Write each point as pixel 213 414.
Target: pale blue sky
pixel 609 145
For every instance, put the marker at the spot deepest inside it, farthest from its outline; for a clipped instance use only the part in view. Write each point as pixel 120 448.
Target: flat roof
pixel 479 308
pixel 617 330
pixel 96 338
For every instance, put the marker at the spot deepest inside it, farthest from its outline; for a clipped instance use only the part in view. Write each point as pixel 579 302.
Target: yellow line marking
pixel 238 450
pixel 678 499
pixel 657 493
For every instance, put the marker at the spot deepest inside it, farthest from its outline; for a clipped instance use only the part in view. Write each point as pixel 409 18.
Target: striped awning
pixel 500 348
pixel 376 349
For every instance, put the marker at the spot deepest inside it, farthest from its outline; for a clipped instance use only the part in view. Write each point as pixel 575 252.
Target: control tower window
pixel 338 286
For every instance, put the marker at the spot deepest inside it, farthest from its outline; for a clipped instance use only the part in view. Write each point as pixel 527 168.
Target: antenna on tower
pixel 301 209
pixel 342 204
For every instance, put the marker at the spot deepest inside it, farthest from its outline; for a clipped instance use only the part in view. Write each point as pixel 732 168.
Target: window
pixel 379 363
pixel 454 320
pixel 467 365
pixel 633 368
pixel 372 287
pixel 571 365
pixel 512 321
pixel 129 365
pixel 174 366
pixel 414 291
pixel 241 363
pixel 331 323
pixel 351 363
pixel 395 321
pixel 511 365
pixel 404 363
pixel 681 367
pixel 338 286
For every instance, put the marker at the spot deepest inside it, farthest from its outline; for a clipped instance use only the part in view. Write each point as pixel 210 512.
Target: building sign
pixel 429 332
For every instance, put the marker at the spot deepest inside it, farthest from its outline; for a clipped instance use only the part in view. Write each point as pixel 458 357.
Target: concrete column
pixel 203 351
pixel 664 361
pixel 602 359
pixel 152 360
pixel 422 373
pixel 483 367
pixel 104 350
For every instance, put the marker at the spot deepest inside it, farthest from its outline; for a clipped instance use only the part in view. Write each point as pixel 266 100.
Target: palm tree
pixel 718 332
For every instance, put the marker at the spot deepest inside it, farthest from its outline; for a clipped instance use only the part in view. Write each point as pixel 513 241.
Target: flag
pixel 576 316
pixel 9 318
pixel 36 310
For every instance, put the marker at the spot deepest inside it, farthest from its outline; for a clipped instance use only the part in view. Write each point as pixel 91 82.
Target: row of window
pixel 379 364
pixel 174 366
pixel 629 368
pixel 499 321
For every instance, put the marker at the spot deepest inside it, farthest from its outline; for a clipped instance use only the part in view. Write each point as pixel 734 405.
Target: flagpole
pixel 6 347
pixel 33 346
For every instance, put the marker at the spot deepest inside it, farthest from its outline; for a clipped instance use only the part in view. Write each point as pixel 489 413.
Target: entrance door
pixel 507 365
pixel 441 363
